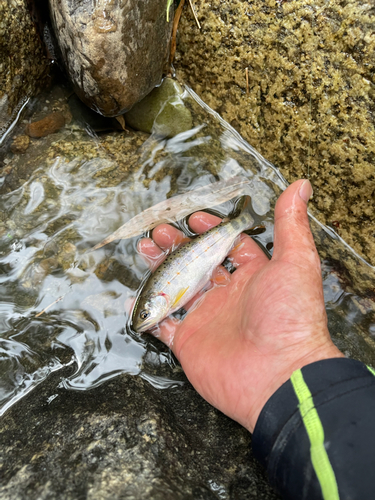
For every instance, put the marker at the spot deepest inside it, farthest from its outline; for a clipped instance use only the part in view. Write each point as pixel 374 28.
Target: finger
pixel 220 276
pixel 151 252
pixel 165 331
pixel 129 304
pixel 168 237
pixel 200 222
pixel 245 251
pixel 293 241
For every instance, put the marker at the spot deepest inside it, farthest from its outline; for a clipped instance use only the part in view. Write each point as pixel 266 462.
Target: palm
pixel 238 331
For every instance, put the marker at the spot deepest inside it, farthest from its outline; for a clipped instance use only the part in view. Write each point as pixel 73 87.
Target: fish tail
pixel 242 204
pixel 246 204
pixel 245 213
pixel 244 220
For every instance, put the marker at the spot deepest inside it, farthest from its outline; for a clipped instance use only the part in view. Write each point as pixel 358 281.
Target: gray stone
pixel 162 111
pixel 23 66
pixel 114 52
pixel 125 440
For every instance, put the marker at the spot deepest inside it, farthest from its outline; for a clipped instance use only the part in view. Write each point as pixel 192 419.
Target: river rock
pixel 114 52
pixel 23 65
pixel 162 111
pixel 309 103
pixel 125 439
pixel 46 126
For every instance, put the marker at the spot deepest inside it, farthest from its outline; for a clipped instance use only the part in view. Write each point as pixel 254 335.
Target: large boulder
pixel 125 439
pixel 23 65
pixel 309 103
pixel 114 52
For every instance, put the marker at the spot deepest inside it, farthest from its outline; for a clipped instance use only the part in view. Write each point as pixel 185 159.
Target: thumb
pixel 293 241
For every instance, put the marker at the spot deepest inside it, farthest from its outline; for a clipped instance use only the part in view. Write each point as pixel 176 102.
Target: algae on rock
pixel 162 111
pixel 23 65
pixel 309 106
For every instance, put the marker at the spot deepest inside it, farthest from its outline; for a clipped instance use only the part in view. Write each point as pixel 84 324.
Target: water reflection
pixel 63 304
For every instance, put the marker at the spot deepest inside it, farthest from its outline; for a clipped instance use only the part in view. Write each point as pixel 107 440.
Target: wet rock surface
pixel 23 66
pixel 309 103
pixel 125 439
pixel 70 140
pixel 114 53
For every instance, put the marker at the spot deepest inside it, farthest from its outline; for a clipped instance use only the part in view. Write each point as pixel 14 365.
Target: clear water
pixel 61 304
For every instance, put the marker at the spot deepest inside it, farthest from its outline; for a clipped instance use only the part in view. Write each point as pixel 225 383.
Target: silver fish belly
pixel 185 272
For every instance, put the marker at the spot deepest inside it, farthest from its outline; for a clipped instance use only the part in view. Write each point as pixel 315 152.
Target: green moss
pixel 23 73
pixel 162 111
pixel 309 105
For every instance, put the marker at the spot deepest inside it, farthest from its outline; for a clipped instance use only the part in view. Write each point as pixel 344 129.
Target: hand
pixel 242 339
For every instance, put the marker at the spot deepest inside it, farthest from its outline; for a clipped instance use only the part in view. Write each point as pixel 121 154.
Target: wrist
pixel 276 378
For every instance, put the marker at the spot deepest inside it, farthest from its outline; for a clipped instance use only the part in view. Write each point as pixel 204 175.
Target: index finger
pixel 168 237
pixel 199 222
pixel 165 238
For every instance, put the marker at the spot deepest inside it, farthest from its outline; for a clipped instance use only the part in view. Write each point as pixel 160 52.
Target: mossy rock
pixel 295 79
pixel 162 111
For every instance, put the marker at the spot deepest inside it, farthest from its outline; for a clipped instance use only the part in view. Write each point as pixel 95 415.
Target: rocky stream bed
pixel 89 410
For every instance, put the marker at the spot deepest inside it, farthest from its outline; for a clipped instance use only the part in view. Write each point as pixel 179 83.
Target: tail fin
pixel 242 205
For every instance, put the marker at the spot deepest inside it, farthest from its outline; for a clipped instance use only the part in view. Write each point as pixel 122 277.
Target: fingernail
pixel 306 191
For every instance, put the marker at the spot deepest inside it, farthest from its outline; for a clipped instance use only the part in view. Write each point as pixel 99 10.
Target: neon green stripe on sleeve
pixel 371 370
pixel 314 428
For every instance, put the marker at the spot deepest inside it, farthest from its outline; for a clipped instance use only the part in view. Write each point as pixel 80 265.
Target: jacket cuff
pixel 281 440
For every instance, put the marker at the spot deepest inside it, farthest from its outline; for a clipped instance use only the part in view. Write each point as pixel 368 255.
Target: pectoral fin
pixel 179 296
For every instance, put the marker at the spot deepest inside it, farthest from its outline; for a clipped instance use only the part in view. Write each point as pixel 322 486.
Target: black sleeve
pixel 316 434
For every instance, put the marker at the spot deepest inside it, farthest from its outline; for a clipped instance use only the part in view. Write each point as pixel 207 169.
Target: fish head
pixel 150 311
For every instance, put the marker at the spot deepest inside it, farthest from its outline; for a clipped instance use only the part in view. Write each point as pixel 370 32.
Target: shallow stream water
pixel 63 304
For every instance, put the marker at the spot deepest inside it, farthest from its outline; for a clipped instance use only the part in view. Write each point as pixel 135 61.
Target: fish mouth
pixel 141 329
pixel 144 327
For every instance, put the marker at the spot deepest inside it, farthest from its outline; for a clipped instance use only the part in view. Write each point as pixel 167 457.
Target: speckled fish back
pixel 190 267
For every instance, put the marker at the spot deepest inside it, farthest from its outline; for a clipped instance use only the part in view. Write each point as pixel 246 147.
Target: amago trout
pixel 185 272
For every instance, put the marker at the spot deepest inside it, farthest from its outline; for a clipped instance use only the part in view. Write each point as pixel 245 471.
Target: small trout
pixel 185 272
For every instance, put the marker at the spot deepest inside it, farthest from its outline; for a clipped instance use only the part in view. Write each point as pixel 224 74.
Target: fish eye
pixel 144 314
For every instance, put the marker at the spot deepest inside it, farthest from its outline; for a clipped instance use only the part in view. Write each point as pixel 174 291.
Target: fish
pixel 185 272
pixel 177 207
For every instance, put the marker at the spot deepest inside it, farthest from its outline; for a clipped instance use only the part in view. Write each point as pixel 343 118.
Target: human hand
pixel 242 339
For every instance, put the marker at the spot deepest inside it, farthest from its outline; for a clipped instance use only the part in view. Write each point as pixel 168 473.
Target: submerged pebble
pixel 49 125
